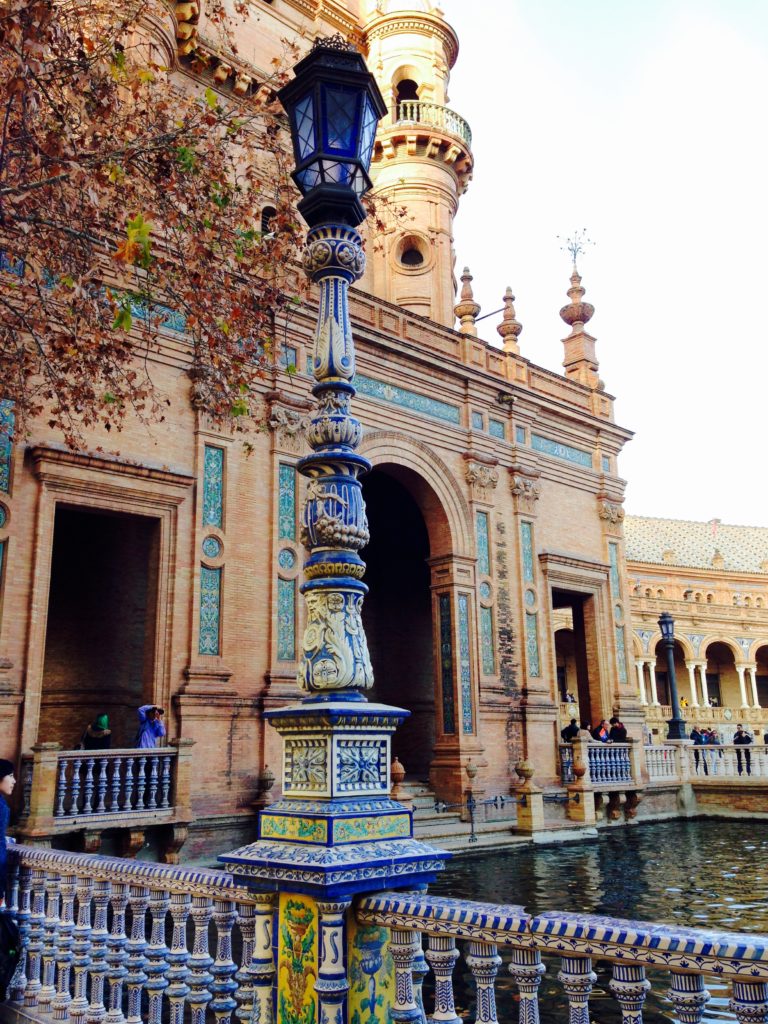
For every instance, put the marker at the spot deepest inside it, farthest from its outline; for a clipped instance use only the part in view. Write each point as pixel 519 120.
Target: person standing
pixel 600 732
pixel 98 735
pixel 7 784
pixel 570 732
pixel 699 740
pixel 743 739
pixel 618 731
pixel 151 727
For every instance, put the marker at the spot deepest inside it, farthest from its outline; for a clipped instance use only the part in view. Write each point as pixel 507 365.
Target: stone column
pixel 641 681
pixel 704 692
pixel 652 675
pixel 742 687
pixel 752 670
pixel 692 680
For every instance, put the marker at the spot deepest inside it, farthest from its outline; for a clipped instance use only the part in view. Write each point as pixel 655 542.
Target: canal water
pixel 705 873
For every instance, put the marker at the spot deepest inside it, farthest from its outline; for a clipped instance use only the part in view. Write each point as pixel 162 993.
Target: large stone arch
pixel 444 507
pixel 721 638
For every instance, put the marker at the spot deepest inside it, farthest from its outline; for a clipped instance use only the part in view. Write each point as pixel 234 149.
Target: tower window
pixel 411 252
pixel 268 214
pixel 412 258
pixel 407 90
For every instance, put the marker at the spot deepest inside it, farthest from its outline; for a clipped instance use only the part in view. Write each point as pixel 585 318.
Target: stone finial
pixel 577 312
pixel 510 327
pixel 466 309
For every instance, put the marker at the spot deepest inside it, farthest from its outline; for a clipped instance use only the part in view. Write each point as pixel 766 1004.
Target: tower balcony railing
pixel 434 115
pixel 147 942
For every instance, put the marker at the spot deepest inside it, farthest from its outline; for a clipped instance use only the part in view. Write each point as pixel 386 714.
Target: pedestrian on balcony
pixel 7 784
pixel 712 739
pixel 151 727
pixel 570 732
pixel 601 732
pixel 618 731
pixel 699 740
pixel 742 739
pixel 98 735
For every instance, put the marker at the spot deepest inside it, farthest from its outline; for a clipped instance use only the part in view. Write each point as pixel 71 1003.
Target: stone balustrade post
pixel 64 955
pixel 178 958
pixel 157 964
pixel 583 808
pixel 637 766
pixel 136 947
pixel 102 892
pixel 50 932
pixel 182 794
pixel 35 947
pixel 224 967
pixel 117 955
pixel 42 798
pixel 530 800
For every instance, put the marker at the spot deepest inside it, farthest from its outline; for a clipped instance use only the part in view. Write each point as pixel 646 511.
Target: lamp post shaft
pixel 676 724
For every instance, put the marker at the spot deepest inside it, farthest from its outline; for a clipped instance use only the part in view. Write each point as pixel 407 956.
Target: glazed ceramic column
pixel 652 678
pixel 703 677
pixel 333 831
pixel 742 687
pixel 639 666
pixel 752 669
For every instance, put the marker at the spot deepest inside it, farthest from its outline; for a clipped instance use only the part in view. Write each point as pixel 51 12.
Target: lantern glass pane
pixel 368 133
pixel 341 122
pixel 305 126
pixel 308 178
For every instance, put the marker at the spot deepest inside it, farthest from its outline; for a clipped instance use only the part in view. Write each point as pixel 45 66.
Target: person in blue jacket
pixel 7 783
pixel 151 727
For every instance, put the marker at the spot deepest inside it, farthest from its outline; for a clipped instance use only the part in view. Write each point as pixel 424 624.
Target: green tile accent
pixel 526 539
pixel 286 620
pixel 412 400
pixel 496 429
pixel 561 451
pixel 446 664
pixel 621 654
pixel 487 653
pixel 532 644
pixel 213 486
pixel 210 610
pixel 287 502
pixel 7 425
pixel 613 551
pixel 483 544
pixel 465 668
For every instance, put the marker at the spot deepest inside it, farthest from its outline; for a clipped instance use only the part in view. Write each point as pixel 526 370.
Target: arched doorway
pixel 722 677
pixel 397 613
pixel 761 675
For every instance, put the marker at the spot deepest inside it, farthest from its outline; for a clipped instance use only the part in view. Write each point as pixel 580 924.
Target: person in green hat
pixel 98 735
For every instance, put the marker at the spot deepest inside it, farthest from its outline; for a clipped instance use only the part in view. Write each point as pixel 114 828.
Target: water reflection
pixel 704 873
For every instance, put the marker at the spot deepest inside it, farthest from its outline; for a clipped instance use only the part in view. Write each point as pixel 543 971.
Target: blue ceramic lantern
pixel 334 106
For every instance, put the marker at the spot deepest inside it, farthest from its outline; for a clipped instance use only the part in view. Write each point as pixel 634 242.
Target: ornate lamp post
pixel 676 725
pixel 334 831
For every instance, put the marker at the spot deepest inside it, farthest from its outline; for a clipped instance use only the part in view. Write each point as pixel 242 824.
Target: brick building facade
pixel 171 574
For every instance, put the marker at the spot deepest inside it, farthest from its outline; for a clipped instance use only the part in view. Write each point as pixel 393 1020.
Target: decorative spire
pixel 510 327
pixel 466 309
pixel 577 312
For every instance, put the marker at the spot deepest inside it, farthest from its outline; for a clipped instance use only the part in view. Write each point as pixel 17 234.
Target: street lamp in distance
pixel 676 724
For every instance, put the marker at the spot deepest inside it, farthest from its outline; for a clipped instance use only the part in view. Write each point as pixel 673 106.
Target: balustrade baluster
pixel 526 969
pixel 484 962
pixel 128 791
pixel 178 958
pixel 332 985
pixel 577 978
pixel 88 786
pixel 246 924
pixel 117 955
pixel 61 788
pixel 153 782
pixel 441 956
pixel 64 954
pixel 224 967
pixel 749 1001
pixel 688 996
pixel 157 964
pixel 74 786
pixel 35 947
pixel 402 946
pixel 419 971
pixel 114 804
pixel 200 961
pixel 629 986
pixel 50 931
pixel 81 948
pixel 18 985
pixel 141 784
pixel 98 968
pixel 27 770
pixel 135 948
pixel 165 782
pixel 101 793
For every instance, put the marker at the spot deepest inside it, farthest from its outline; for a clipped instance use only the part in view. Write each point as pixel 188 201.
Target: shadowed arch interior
pixel 397 613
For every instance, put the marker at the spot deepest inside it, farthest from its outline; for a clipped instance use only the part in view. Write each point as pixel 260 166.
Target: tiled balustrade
pixel 96 932
pixel 123 942
pixel 429 928
pixel 64 790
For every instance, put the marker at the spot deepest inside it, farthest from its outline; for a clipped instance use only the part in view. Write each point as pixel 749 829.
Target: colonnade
pixel 698 687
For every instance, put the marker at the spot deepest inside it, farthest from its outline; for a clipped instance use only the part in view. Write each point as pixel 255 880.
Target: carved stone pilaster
pixel 481 475
pixel 610 511
pixel 526 489
pixel 288 419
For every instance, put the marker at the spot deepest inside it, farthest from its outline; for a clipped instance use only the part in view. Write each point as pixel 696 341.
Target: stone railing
pixel 726 717
pixel 609 765
pixel 69 790
pixel 434 115
pixel 492 934
pixel 727 761
pixel 80 965
pixel 661 762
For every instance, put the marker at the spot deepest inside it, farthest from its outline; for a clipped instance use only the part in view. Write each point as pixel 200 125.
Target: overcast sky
pixel 647 124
